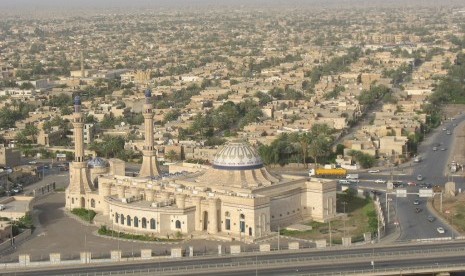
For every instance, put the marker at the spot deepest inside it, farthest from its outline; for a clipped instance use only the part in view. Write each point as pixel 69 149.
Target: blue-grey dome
pixel 148 93
pixel 237 156
pixel 97 162
pixel 77 100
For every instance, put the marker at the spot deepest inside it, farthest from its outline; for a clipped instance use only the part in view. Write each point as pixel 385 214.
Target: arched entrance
pixel 205 220
pixel 83 202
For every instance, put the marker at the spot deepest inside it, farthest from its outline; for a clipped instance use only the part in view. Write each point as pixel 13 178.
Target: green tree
pixel 171 155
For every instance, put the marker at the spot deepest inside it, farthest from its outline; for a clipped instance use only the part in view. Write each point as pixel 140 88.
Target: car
pixel 431 218
pixel 344 181
pixel 443 149
pixel 419 177
pixel 440 230
pixel 32 162
pixel 444 128
pixel 2 207
pixel 418 210
pixel 416 202
pixel 354 181
pixel 435 148
pixel 373 171
pixel 411 183
pixel 380 181
pixel 448 132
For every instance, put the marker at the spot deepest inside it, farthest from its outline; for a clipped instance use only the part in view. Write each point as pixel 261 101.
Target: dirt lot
pixel 454 211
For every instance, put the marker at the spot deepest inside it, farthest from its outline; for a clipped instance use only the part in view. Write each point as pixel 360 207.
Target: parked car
pixel 416 202
pixel 419 177
pixel 431 218
pixel 380 181
pixel 440 230
pixel 418 210
pixel 373 171
pixel 344 181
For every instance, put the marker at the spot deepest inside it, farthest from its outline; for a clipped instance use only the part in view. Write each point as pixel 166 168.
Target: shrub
pixel 84 214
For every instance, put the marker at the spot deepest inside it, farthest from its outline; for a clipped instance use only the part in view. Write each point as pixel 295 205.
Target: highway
pixel 285 262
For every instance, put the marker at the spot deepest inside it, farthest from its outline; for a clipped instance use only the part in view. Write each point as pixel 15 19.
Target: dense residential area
pixel 357 87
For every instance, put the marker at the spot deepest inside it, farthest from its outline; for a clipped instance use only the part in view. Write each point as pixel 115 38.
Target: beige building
pixel 235 198
pixel 9 157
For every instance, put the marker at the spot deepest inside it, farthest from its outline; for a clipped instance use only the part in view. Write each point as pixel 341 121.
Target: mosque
pixel 234 198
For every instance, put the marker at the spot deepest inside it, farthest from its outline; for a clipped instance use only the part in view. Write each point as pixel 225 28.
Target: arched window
pixel 92 203
pixel 122 219
pixel 178 224
pixel 227 224
pixel 144 223
pixel 136 222
pixel 116 217
pixel 152 224
pixel 242 223
pixel 129 220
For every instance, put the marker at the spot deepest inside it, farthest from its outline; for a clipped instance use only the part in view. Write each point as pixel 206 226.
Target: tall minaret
pixel 79 180
pixel 149 159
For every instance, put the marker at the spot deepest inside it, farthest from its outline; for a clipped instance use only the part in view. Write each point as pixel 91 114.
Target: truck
pixel 336 172
pixel 352 176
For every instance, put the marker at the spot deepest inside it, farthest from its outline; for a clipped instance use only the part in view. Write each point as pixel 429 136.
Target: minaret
pixel 79 180
pixel 149 159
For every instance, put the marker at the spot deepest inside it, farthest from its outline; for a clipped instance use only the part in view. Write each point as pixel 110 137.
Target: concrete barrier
pixel 24 259
pixel 220 250
pixel 294 246
pixel 346 241
pixel 86 257
pixel 176 252
pixel 55 258
pixel 320 243
pixel 265 247
pixel 235 249
pixel 146 253
pixel 115 255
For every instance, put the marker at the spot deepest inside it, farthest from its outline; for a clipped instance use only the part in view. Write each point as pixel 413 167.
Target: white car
pixel 380 181
pixel 373 171
pixel 440 230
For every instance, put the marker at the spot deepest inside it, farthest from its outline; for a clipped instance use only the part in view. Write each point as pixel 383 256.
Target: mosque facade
pixel 235 198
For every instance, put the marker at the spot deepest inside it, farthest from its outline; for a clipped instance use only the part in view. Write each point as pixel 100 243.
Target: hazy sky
pixel 154 3
pixel 33 8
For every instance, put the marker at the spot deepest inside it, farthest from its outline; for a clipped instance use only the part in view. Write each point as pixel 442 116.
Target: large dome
pixel 237 155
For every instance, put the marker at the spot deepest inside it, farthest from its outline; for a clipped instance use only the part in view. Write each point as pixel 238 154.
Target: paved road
pixel 292 262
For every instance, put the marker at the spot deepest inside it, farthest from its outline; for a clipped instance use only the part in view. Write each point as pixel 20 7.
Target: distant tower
pixel 82 65
pixel 79 177
pixel 149 161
